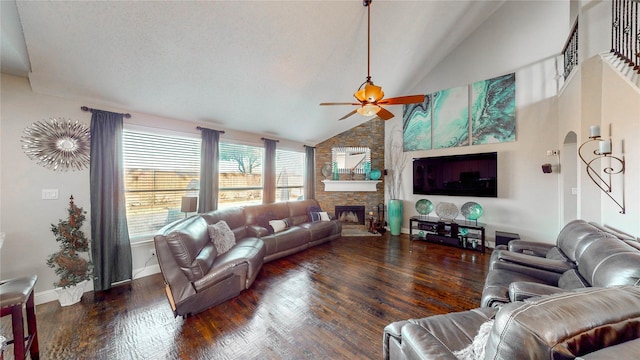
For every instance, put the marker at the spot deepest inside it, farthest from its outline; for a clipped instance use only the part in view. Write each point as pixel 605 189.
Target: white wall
pixel 24 216
pixel 511 40
pixel 621 109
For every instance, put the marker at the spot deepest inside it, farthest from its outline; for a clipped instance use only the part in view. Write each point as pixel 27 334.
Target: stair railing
pixel 570 51
pixel 625 34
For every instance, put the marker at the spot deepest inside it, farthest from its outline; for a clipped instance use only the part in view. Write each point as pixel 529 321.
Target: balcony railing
pixel 570 51
pixel 625 35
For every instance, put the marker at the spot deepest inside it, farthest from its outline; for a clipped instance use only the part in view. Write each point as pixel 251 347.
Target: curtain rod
pixel 84 108
pixel 307 146
pixel 204 128
pixel 265 139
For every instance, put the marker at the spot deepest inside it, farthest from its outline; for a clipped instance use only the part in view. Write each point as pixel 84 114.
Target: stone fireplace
pixel 350 215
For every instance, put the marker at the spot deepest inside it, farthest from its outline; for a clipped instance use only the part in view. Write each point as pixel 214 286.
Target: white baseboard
pixel 50 295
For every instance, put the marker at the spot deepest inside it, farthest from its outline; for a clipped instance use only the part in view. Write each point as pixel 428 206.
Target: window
pixel 159 171
pixel 289 175
pixel 240 175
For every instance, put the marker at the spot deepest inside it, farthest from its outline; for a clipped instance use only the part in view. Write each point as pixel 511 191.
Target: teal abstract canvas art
pixel 416 125
pixel 493 110
pixel 451 117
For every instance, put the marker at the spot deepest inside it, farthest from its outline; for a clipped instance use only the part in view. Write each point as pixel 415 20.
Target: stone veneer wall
pixel 370 134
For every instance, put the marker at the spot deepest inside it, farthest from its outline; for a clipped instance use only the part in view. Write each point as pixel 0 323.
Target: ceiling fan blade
pixel 411 99
pixel 384 114
pixel 349 114
pixel 338 103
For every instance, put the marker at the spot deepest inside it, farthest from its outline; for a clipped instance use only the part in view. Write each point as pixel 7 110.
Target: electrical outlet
pixel 152 252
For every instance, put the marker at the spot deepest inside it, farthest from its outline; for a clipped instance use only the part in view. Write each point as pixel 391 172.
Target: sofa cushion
pixel 233 216
pixel 610 261
pixel 222 236
pixel 571 279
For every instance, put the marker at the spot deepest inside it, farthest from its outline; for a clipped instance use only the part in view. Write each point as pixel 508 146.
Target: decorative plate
pixel 424 206
pixel 471 210
pixel 59 145
pixel 447 210
pixel 326 170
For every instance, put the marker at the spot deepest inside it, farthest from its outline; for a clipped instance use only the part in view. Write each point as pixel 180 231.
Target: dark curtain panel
pixel 209 168
pixel 269 172
pixel 309 172
pixel 110 248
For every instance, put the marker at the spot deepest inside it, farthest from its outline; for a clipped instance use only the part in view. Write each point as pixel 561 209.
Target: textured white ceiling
pixel 260 66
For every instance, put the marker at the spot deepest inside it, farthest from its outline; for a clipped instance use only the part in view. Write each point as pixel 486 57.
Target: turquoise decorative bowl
pixel 375 174
pixel 471 210
pixel 424 206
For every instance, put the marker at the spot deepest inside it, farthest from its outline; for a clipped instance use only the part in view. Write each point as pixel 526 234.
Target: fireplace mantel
pixel 350 185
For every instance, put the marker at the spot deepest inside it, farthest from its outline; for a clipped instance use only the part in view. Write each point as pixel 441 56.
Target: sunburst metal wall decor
pixel 58 144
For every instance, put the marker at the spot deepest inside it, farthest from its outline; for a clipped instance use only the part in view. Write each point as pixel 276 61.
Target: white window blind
pixel 289 175
pixel 159 171
pixel 240 175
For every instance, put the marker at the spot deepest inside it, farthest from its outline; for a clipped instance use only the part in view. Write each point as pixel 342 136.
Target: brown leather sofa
pixel 196 277
pixel 593 258
pixel 593 323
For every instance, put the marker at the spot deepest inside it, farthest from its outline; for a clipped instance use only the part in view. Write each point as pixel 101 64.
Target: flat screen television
pixel 457 175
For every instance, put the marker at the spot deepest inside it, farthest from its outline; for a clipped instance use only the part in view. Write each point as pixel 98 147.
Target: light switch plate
pixel 49 194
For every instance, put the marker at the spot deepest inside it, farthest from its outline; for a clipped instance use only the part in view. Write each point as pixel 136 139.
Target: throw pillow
pixel 315 216
pixel 311 209
pixel 476 350
pixel 324 216
pixel 278 225
pixel 263 221
pixel 222 236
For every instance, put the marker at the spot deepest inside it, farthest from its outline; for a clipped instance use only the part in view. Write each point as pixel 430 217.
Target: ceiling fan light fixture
pixel 368 109
pixel 373 93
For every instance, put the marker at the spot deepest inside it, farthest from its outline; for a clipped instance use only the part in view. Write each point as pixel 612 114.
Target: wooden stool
pixel 15 293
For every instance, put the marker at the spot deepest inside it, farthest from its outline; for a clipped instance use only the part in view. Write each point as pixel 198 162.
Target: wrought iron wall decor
pixel 58 144
pixel 603 151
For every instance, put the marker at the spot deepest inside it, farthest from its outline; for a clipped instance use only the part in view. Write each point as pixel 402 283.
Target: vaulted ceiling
pixel 256 66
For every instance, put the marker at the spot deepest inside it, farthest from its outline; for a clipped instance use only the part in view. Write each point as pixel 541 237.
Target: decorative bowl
pixel 447 210
pixel 424 206
pixel 471 210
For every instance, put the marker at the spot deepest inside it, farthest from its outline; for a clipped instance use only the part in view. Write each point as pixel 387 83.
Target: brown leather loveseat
pixel 197 276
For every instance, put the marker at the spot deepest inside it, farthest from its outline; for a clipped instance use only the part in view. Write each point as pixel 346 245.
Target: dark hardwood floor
pixel 329 302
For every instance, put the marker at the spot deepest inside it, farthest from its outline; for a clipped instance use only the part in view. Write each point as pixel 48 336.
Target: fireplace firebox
pixel 350 214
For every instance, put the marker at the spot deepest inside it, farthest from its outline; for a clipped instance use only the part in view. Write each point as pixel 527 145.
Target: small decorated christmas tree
pixel 70 267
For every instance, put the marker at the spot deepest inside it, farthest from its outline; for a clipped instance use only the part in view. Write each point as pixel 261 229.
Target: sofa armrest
pixel 417 343
pixel 523 290
pixel 530 247
pixel 558 266
pixel 256 231
pixel 548 277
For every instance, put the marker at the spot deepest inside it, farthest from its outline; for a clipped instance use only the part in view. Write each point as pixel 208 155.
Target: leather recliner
pixel 606 261
pixel 593 323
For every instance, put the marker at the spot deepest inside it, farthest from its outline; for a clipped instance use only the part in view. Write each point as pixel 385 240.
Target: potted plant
pixel 72 267
pixel 396 160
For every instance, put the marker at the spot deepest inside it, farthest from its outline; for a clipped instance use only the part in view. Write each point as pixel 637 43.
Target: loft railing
pixel 570 51
pixel 625 35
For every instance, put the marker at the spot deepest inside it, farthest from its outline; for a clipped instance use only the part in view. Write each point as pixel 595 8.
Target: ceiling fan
pixel 370 97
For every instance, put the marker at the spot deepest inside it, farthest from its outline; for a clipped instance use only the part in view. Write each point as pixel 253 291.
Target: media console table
pixel 463 234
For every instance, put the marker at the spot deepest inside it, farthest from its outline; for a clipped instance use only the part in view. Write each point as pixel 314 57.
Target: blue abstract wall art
pixel 493 110
pixel 484 110
pixel 416 125
pixel 451 117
